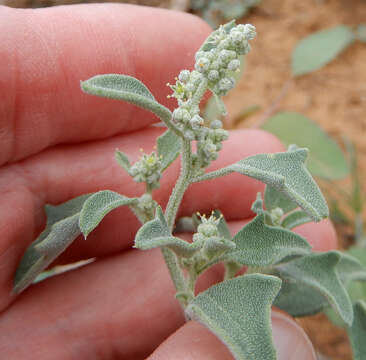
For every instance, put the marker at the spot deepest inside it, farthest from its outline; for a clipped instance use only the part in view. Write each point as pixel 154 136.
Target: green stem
pixel 181 185
pixel 213 174
pixel 175 271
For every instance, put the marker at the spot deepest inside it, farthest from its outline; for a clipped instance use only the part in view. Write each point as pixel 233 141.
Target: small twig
pixel 275 105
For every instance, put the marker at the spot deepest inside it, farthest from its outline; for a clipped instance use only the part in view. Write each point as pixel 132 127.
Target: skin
pixel 58 143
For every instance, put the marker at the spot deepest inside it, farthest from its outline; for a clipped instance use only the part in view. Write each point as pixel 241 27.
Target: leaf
pixel 275 199
pixel 122 160
pixel 299 299
pixel 212 110
pixel 98 206
pixel 258 244
pixel 155 233
pixel 222 226
pixel 127 88
pixel 319 272
pixel 350 269
pixel 169 145
pixel 295 218
pixel 326 159
pixel 318 49
pixel 357 332
pixel 61 230
pixel 286 172
pixel 238 312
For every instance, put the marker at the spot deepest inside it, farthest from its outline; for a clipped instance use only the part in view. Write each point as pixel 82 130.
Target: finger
pixel 194 341
pixel 118 308
pixel 45 53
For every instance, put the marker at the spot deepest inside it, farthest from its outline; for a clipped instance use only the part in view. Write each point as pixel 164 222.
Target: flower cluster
pixel 212 241
pixel 147 169
pixel 221 58
pixel 209 147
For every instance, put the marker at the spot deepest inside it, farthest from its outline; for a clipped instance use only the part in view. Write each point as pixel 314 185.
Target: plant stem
pixel 181 185
pixel 213 174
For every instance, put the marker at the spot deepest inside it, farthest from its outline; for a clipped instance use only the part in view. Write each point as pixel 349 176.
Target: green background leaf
pixel 318 49
pixel 240 319
pixel 98 206
pixel 325 159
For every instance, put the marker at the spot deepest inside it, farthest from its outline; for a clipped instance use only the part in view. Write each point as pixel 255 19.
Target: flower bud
pixel 184 76
pixel 202 64
pixel 213 75
pixel 234 65
pixel 216 124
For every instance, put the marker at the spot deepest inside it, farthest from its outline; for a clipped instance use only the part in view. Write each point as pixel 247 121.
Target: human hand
pixel 57 143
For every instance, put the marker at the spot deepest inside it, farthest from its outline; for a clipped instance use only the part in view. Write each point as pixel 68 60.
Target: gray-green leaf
pixel 61 230
pixel 276 199
pixel 319 272
pixel 169 145
pixel 238 312
pixel 122 160
pixel 326 159
pixel 155 233
pixel 258 244
pixel 127 88
pixel 299 299
pixel 287 173
pixel 98 206
pixel 295 218
pixel 318 49
pixel 357 332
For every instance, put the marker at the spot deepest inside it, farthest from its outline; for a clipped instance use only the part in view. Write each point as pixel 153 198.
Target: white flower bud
pixel 226 84
pixel 196 122
pixel 216 124
pixel 202 64
pixel 184 75
pixel 216 65
pixel 234 65
pixel 250 31
pixel 213 75
pixel 237 37
pixel 181 115
pixel 207 229
pixel 226 55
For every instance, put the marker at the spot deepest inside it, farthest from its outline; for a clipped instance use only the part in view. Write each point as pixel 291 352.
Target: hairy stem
pixel 213 174
pixel 181 185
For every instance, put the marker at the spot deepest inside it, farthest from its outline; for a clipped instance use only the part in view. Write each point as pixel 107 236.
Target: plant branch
pixel 181 185
pixel 213 174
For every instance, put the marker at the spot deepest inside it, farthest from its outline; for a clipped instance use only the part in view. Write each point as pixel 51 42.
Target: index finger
pixel 46 52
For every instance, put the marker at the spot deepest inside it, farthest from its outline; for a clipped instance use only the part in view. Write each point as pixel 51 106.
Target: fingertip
pixel 290 339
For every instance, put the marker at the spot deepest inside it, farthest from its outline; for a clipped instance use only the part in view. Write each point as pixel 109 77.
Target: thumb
pixel 193 341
